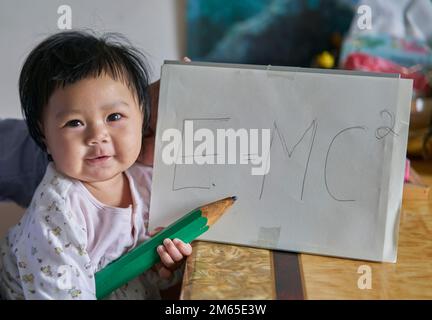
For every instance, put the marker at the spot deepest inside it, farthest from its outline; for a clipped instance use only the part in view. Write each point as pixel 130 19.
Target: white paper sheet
pixel 337 153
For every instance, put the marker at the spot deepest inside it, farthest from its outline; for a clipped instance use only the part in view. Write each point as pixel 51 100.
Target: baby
pixel 86 104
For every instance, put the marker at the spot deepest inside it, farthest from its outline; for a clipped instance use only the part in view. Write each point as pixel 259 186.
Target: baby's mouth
pixel 98 159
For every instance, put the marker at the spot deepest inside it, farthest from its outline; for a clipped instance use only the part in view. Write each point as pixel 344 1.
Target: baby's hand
pixel 172 254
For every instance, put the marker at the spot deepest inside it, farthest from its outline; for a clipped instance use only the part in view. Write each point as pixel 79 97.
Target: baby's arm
pixel 51 255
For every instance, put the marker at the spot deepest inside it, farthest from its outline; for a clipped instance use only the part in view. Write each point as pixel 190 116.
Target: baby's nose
pixel 97 134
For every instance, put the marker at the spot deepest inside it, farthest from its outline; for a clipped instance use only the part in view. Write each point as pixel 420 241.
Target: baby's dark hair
pixel 67 57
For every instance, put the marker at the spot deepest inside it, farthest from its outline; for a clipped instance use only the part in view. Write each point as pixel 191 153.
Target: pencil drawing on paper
pixel 383 131
pixel 206 187
pixel 311 131
pixel 331 170
pixel 289 153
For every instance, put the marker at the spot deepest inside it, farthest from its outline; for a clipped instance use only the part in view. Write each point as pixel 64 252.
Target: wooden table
pixel 218 271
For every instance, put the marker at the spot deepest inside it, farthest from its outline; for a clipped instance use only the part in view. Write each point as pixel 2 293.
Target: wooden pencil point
pixel 213 211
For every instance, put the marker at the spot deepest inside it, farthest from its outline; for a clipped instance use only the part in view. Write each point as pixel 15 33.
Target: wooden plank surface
pixel 287 276
pixel 220 271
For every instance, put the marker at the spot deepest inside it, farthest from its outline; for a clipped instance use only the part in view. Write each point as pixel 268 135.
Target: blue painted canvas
pixel 276 32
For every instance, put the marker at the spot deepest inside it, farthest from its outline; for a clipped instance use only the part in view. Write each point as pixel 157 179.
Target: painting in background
pixel 276 32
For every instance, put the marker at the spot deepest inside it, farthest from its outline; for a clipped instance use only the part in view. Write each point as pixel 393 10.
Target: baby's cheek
pixel 131 149
pixel 68 164
pixel 128 139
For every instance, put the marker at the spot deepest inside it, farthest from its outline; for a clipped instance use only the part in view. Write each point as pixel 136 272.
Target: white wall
pixel 155 26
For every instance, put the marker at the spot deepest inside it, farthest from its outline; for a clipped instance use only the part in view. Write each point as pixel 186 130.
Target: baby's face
pixel 93 128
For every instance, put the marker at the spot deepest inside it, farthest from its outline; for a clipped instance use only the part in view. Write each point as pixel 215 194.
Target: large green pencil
pixel 144 256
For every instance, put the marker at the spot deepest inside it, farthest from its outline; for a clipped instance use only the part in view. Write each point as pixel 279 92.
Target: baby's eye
pixel 74 123
pixel 114 117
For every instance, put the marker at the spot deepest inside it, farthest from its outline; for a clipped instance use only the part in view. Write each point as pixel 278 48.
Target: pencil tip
pixel 234 198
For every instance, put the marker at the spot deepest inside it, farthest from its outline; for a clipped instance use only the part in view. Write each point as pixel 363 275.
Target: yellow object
pixel 325 60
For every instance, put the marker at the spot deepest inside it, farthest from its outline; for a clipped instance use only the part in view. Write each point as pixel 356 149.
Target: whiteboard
pixel 333 143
